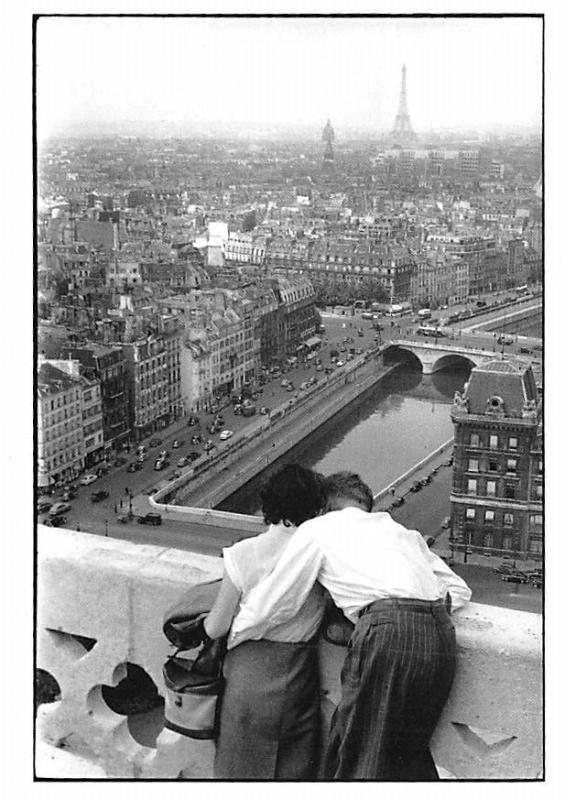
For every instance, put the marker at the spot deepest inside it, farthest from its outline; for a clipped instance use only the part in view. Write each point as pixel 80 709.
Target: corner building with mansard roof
pixel 497 490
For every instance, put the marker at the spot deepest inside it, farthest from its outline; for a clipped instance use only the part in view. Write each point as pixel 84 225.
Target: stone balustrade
pixel 100 608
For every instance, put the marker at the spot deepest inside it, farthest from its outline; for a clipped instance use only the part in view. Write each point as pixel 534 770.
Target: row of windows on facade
pixel 63 438
pixel 493 465
pixel 488 540
pixel 66 413
pixel 63 459
pixel 51 433
pixel 491 489
pixel 159 363
pixel 490 517
pixel 494 441
pixel 92 411
pixel 61 400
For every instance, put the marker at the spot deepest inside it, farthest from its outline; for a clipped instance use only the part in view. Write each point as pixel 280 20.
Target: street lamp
pixel 106 527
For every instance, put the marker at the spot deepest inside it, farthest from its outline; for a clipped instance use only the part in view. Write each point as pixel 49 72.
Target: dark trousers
pixel 395 682
pixel 269 719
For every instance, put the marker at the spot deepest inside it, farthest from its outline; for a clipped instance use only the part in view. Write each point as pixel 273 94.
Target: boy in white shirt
pixel 401 658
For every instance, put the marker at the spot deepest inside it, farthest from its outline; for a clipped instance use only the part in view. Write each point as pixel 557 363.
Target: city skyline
pixel 258 75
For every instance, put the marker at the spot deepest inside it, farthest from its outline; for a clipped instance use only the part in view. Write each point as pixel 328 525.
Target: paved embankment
pixel 257 447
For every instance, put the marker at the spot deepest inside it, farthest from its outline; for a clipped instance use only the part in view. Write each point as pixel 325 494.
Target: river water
pixel 405 418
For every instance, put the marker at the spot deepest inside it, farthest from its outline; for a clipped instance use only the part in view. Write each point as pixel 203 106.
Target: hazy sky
pixel 461 72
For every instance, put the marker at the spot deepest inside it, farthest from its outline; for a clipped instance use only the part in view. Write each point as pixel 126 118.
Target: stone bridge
pixel 434 357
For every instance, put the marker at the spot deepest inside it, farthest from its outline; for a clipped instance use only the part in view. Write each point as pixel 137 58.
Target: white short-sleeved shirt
pixel 358 557
pixel 251 560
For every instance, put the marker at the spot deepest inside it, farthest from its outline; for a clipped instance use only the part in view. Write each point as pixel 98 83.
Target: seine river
pixel 379 437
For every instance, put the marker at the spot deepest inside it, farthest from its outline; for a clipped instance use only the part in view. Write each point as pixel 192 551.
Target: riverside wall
pixel 262 444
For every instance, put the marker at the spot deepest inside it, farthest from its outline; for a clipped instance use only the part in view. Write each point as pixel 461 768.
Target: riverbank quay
pixel 263 443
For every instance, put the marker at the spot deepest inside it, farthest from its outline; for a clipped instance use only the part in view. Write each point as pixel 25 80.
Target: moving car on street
pixel 225 435
pixel 86 480
pixel 97 497
pixel 152 518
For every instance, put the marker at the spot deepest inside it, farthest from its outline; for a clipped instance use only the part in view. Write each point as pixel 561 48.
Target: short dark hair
pixel 292 495
pixel 348 485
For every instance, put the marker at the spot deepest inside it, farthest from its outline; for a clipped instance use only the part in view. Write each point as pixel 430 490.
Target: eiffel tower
pixel 402 132
pixel 328 136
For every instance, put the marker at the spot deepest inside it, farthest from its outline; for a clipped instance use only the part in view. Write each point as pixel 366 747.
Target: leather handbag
pixel 336 628
pixel 193 689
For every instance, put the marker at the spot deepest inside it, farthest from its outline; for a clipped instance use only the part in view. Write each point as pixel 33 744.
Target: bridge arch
pixel 453 361
pixel 396 354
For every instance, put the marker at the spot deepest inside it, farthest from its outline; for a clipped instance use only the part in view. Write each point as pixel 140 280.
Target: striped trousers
pixel 395 682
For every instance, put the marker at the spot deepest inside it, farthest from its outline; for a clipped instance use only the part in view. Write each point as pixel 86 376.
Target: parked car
pixel 515 577
pixel 55 521
pixel 160 464
pixel 209 445
pixel 398 502
pixel 152 518
pixel 43 506
pixel 155 442
pixel 446 523
pixel 86 480
pixel 524 350
pixel 193 455
pixel 97 497
pixel 340 363
pixel 193 421
pixel 320 368
pixel 503 339
pixel 225 435
pixel 503 569
pixel 248 411
pixel 196 439
pixel 177 443
pixel 264 410
pixel 183 461
pixel 59 508
pixel 134 466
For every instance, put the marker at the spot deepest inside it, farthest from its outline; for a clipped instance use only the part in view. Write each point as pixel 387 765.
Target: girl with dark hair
pixel 269 723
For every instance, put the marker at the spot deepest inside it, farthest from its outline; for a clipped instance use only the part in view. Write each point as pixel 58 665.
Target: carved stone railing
pixel 100 606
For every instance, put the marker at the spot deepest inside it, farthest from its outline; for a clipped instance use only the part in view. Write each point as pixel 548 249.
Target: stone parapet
pixel 100 607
